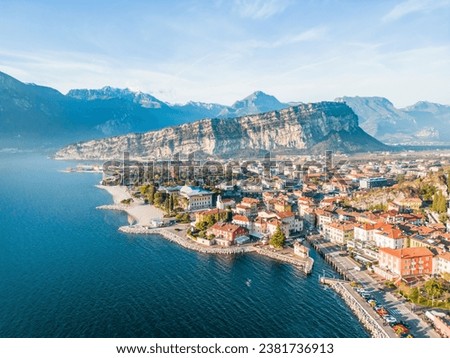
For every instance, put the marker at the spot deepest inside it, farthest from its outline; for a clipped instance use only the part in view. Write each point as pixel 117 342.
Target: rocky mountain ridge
pixel 299 129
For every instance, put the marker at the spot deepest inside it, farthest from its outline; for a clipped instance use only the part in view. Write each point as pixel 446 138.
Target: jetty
pixel 306 263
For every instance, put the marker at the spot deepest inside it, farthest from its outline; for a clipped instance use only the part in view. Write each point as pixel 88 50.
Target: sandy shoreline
pixel 142 213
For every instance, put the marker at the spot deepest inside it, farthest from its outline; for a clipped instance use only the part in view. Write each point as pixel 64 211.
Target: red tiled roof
pixel 445 256
pixel 241 218
pixel 250 201
pixel 408 253
pixel 225 227
pixel 285 214
pixel 342 227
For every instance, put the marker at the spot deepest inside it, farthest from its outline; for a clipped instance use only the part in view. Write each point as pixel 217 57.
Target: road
pixel 398 308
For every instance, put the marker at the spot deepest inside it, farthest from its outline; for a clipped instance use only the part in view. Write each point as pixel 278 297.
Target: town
pixel 386 216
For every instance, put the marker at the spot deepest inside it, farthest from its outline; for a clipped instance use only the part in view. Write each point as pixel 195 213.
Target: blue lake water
pixel 65 271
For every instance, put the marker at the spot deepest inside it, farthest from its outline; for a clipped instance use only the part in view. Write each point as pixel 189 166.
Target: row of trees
pixel 439 203
pixel 170 203
pixel 432 293
pixel 211 219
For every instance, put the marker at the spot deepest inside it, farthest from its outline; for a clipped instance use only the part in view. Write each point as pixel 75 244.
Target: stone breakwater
pixel 186 242
pixel 116 207
pixel 305 263
pixel 181 239
pixel 366 316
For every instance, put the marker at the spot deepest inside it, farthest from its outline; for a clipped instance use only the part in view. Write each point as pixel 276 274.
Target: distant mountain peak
pixel 256 102
pixel 108 93
pixel 369 99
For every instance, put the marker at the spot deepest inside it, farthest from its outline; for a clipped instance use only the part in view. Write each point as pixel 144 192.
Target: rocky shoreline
pixel 306 264
pixel 185 242
pixel 364 315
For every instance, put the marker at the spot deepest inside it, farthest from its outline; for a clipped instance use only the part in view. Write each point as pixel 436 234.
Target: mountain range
pixel 35 112
pixel 424 123
pixel 305 128
pixel 31 112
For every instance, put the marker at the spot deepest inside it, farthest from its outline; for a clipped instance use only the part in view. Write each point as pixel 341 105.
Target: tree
pixel 158 199
pixel 143 189
pixel 175 201
pixel 151 194
pixel 427 191
pixel 167 204
pixel 414 294
pixel 278 238
pixel 448 181
pixel 439 203
pixel 202 225
pixel 433 288
pixel 210 220
pixel 229 215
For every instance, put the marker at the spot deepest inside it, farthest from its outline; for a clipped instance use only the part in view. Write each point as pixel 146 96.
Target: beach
pixel 142 214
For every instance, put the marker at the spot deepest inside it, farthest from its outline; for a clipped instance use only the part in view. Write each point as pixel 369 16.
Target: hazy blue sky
pixel 220 51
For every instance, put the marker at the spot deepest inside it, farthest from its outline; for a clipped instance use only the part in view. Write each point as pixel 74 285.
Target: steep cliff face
pixel 297 129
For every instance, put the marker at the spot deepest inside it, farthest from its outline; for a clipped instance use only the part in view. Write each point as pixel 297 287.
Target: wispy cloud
pixel 259 9
pixel 411 6
pixel 314 34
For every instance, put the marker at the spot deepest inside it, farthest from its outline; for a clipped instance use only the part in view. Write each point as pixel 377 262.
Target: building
pixel 413 261
pixel 388 236
pixel 304 205
pixel 197 198
pixel 364 232
pixel 282 206
pixel 293 223
pixel 369 183
pixel 300 250
pixel 338 232
pixel 441 265
pixel 324 217
pixel 224 203
pixel 309 216
pixel 259 227
pixel 273 224
pixel 225 234
pixel 251 205
pixel 243 221
pixel 217 214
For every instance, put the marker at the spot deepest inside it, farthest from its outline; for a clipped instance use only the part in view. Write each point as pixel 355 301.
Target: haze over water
pixel 65 271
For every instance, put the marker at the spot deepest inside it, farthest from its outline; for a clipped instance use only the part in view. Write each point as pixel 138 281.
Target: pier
pixel 343 265
pixel 306 264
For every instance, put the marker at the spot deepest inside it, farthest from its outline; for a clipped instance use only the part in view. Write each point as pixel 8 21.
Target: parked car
pixel 390 319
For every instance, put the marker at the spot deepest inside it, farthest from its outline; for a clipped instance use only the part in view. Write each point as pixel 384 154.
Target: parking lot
pixel 397 308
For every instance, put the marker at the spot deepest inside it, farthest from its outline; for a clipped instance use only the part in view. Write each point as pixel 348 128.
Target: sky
pixel 221 51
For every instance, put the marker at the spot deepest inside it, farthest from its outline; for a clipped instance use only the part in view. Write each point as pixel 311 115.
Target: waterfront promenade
pixel 367 316
pixel 177 234
pixel 141 215
pixel 346 267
